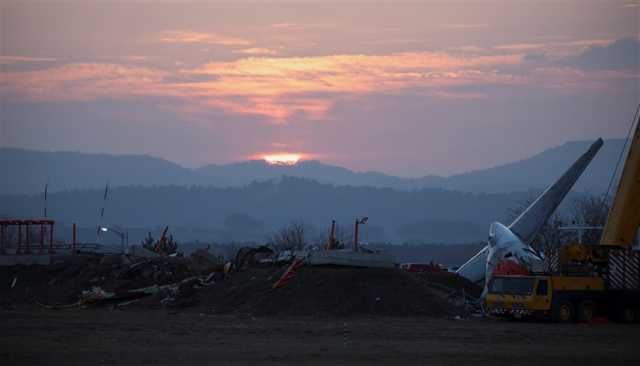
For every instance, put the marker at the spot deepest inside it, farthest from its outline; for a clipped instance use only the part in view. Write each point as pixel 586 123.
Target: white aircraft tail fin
pixel 527 225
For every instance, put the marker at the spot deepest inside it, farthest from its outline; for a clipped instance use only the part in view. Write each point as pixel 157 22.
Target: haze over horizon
pixel 432 88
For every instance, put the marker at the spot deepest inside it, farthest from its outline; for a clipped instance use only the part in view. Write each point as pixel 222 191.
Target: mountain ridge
pixel 32 169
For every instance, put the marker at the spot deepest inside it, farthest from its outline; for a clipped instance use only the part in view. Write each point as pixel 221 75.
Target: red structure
pixel 508 267
pixel 25 245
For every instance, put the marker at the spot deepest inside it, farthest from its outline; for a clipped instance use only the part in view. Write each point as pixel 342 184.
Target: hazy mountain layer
pixel 28 171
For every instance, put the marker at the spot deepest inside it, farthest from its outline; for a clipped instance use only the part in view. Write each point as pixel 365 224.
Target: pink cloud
pixel 82 81
pixel 463 26
pixel 554 49
pixel 8 60
pixel 278 88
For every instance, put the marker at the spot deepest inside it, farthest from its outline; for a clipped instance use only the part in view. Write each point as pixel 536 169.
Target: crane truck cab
pixel 590 280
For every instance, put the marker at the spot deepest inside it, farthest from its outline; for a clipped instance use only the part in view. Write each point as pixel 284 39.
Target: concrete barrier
pixel 349 258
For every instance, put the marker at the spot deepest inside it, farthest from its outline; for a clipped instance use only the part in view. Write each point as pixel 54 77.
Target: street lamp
pixel 361 221
pixel 123 236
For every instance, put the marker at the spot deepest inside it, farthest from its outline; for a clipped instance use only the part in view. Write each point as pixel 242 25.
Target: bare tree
pixel 590 211
pixel 586 210
pixel 290 236
pixel 551 236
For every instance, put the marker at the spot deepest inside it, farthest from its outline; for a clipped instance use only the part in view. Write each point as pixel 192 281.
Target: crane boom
pixel 624 216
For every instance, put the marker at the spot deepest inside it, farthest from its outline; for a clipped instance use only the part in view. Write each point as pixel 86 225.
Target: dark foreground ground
pixel 103 336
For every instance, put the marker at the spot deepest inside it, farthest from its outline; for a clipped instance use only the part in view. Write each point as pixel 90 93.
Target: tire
pixel 586 311
pixel 563 312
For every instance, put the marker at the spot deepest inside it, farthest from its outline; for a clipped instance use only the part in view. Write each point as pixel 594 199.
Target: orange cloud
pixel 204 38
pixel 344 73
pixel 257 51
pixel 280 87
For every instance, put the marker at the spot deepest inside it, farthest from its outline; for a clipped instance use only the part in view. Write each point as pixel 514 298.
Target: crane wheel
pixel 563 312
pixel 586 311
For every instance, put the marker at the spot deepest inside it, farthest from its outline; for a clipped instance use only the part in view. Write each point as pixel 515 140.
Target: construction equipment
pixel 587 280
pixel 331 243
pixel 335 255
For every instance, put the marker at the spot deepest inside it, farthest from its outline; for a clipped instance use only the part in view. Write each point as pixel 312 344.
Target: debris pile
pixel 94 280
pixel 201 283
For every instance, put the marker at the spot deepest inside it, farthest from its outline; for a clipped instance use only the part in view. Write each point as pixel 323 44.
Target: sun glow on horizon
pixel 282 159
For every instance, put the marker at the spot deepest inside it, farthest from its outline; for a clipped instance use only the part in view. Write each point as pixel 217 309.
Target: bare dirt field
pixel 160 337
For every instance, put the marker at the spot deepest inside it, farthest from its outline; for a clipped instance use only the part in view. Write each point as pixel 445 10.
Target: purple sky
pixel 406 89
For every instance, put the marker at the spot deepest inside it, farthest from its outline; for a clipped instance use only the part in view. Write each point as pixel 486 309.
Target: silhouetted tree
pixel 590 211
pixel 586 210
pixel 290 236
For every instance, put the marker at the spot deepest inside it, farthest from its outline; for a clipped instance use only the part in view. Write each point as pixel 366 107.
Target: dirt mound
pixel 175 283
pixel 325 291
pixel 449 282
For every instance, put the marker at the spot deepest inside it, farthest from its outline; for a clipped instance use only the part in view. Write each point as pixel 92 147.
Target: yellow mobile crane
pixel 588 280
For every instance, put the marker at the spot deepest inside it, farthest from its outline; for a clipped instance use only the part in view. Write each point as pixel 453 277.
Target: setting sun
pixel 282 159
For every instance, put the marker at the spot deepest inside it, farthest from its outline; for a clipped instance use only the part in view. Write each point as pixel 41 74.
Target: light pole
pixel 122 236
pixel 355 234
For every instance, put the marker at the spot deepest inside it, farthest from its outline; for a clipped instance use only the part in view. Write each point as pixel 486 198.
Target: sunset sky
pixel 406 89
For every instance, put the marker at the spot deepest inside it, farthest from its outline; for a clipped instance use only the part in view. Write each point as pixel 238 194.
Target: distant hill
pixel 28 171
pixel 542 169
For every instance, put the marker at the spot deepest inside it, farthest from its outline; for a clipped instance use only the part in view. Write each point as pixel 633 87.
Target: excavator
pixel 587 280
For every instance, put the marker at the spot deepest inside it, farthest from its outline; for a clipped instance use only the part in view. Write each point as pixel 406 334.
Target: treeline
pixel 254 212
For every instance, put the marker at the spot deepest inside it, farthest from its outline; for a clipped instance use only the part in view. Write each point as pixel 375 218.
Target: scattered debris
pixel 289 273
pixel 139 251
pixel 201 282
pixel 250 256
pixel 204 262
